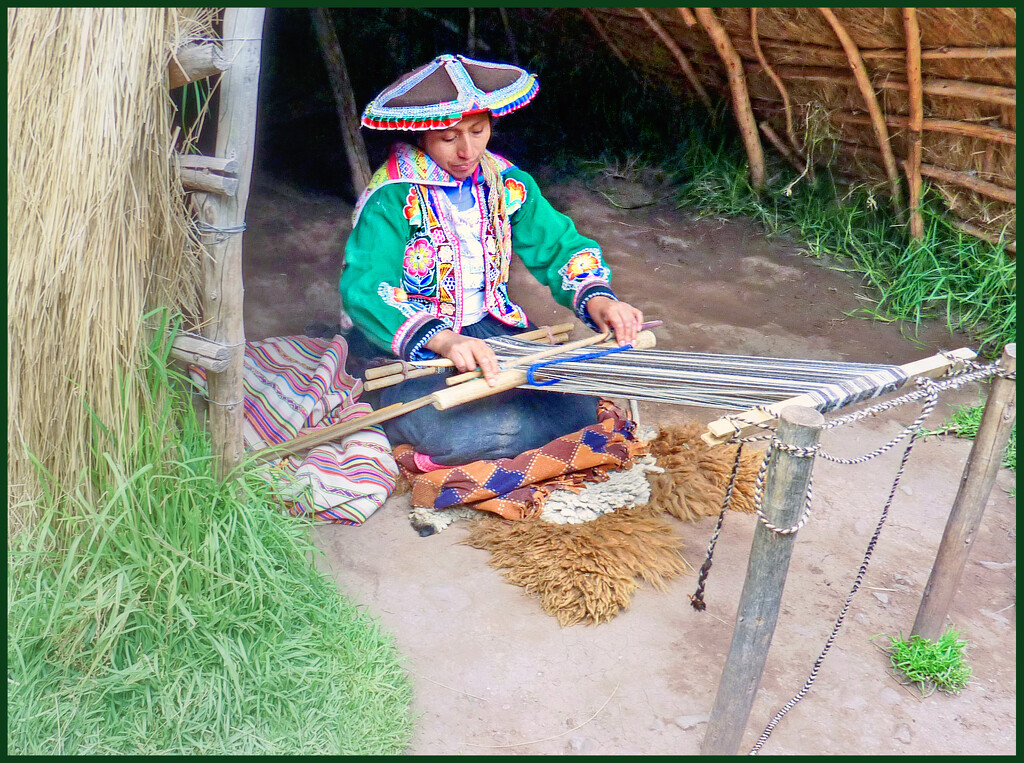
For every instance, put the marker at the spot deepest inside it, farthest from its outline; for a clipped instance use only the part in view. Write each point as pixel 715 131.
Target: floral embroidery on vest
pixel 582 268
pixel 515 195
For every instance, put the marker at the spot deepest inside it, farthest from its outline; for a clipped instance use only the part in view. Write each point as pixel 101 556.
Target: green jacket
pixel 402 280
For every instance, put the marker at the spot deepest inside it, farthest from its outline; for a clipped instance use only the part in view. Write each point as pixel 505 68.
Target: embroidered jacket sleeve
pixel 371 280
pixel 554 252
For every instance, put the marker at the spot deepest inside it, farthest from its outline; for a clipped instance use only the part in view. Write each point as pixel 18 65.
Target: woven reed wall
pixel 96 225
pixel 968 65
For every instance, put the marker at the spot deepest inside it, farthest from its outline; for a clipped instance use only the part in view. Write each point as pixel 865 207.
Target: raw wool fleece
pixel 696 474
pixel 588 572
pixel 583 573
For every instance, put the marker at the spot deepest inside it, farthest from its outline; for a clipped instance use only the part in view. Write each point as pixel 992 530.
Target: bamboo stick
pixel 860 74
pixel 782 148
pixel 913 163
pixel 677 53
pixel 779 84
pixel 965 516
pixel 985 188
pixel 222 285
pixel 438 367
pixel 593 21
pixel 537 334
pixel 740 94
pixel 949 88
pixel 809 50
pixel 688 18
pixel 945 126
pixel 964 180
pixel 973 230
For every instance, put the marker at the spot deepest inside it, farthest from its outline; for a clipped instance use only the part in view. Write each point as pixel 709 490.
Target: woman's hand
pixel 622 318
pixel 466 353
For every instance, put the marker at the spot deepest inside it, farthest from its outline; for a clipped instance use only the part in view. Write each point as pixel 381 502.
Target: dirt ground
pixel 494 674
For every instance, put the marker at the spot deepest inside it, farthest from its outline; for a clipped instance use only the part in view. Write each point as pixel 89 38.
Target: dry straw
pixel 96 224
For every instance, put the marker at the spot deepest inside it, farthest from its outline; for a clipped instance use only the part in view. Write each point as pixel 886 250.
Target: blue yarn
pixel 589 356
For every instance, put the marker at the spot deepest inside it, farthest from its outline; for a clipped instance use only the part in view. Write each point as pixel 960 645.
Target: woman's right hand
pixel 466 353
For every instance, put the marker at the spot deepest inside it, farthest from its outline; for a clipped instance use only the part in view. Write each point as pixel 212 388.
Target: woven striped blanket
pixel 295 385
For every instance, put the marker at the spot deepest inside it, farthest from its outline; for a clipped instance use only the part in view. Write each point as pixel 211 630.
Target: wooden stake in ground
pixel 348 115
pixel 784 500
pixel 740 95
pixel 224 218
pixel 975 485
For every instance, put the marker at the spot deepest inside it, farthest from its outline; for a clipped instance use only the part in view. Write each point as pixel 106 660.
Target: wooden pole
pixel 913 164
pixel 344 99
pixel 779 85
pixel 688 18
pixel 782 148
pixel 222 288
pixel 740 94
pixel 860 74
pixel 594 22
pixel 784 499
pixel 677 53
pixel 969 506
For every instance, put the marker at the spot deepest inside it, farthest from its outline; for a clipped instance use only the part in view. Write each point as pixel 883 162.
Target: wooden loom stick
pixel 511 378
pixel 722 430
pixel 393 368
pixel 531 359
pixel 415 373
pixel 442 400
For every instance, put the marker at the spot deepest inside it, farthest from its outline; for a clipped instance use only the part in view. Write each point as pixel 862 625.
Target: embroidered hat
pixel 439 94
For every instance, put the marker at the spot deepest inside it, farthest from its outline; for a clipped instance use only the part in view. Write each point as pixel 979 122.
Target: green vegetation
pixel 964 422
pixel 932 664
pixel 968 283
pixel 180 615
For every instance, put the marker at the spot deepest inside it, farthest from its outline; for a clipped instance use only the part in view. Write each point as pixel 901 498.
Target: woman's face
pixel 458 149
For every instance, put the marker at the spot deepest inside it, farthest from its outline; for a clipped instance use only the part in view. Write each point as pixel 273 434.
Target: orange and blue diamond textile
pixel 516 488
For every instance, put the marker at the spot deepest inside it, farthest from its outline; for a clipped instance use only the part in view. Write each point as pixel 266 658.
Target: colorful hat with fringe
pixel 439 94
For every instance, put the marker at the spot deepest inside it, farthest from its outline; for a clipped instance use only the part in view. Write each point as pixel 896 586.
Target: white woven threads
pixel 624 489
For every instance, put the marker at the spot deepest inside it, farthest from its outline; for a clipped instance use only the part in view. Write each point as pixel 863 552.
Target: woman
pixel 426 266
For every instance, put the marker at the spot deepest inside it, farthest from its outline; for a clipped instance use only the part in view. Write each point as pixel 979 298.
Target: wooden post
pixel 913 165
pixel 755 41
pixel 969 507
pixel 222 285
pixel 860 74
pixel 784 500
pixel 593 21
pixel 740 94
pixel 344 99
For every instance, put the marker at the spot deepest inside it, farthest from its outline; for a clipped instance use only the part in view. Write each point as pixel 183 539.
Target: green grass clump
pixel 964 422
pixel 948 274
pixel 932 664
pixel 181 615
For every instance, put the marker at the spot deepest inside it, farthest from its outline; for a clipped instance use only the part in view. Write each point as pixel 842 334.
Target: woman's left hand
pixel 622 318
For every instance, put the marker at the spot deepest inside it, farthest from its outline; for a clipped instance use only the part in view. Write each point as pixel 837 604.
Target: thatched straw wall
pixel 968 69
pixel 96 224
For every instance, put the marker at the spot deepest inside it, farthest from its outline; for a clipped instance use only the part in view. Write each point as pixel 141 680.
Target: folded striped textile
pixel 515 488
pixel 295 385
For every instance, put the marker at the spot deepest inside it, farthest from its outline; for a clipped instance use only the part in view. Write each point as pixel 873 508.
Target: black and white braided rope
pixel 697 597
pixel 861 573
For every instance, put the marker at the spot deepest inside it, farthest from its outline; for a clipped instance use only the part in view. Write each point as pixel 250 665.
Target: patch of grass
pixel 177 614
pixel 964 422
pixel 968 283
pixel 932 664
